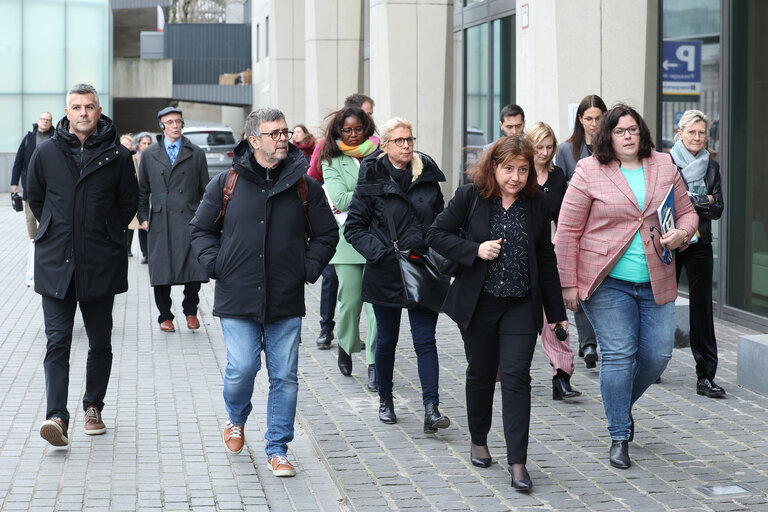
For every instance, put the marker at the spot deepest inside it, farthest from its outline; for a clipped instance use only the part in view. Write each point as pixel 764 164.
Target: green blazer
pixel 340 178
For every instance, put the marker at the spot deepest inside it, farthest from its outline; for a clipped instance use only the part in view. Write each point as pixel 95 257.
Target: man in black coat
pixel 82 189
pixel 41 131
pixel 172 177
pixel 276 233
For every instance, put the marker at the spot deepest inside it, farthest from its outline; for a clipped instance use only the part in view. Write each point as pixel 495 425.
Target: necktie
pixel 172 153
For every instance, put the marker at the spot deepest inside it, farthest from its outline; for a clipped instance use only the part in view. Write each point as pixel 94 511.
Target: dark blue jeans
pixel 328 291
pixel 423 322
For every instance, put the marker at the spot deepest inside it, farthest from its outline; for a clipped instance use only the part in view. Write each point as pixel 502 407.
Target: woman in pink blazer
pixel 614 261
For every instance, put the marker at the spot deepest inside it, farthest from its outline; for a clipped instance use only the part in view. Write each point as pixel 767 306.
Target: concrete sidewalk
pixel 164 412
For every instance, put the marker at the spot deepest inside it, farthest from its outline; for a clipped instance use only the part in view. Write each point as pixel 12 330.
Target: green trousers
pixel 348 317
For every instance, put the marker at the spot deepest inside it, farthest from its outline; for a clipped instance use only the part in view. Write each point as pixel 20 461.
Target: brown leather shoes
pixel 93 423
pixel 233 438
pixel 281 466
pixel 167 326
pixel 193 322
pixel 54 431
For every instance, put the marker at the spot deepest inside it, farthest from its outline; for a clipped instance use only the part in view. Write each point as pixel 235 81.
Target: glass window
pixel 476 99
pixel 747 171
pixel 44 35
pixel 10 46
pixel 503 71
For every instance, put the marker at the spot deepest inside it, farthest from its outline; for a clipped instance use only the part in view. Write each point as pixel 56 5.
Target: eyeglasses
pixel 633 130
pixel 348 131
pixel 591 120
pixel 173 122
pixel 694 133
pixel 45 119
pixel 278 133
pixel 402 142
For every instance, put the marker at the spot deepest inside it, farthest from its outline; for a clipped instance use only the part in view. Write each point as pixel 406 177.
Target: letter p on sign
pixel 687 53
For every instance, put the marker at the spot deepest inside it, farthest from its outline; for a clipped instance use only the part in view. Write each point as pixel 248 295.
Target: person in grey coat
pixel 172 177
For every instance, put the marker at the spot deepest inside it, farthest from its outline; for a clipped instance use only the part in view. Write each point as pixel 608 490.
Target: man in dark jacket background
pixel 172 177
pixel 82 189
pixel 261 253
pixel 41 131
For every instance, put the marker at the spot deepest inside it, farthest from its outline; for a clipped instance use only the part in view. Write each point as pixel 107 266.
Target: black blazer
pixel 465 290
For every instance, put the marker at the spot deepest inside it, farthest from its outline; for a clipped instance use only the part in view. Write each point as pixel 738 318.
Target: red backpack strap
pixel 303 190
pixel 229 189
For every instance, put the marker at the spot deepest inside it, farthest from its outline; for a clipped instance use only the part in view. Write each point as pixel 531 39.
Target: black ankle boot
pixel 590 356
pixel 372 384
pixel 345 363
pixel 387 410
pixel 433 420
pixel 323 341
pixel 619 454
pixel 561 386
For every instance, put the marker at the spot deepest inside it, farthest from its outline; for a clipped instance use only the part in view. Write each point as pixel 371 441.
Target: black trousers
pixel 143 242
pixel 328 292
pixel 188 305
pixel 59 316
pixel 501 335
pixel 697 261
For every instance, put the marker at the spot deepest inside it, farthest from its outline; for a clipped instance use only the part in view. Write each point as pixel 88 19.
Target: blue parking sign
pixel 681 68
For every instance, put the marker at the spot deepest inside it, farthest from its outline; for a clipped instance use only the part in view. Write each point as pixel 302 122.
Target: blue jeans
pixel 423 323
pixel 636 337
pixel 279 340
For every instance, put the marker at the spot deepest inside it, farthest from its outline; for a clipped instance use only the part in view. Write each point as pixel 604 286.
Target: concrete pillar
pixel 580 47
pixel 411 52
pixel 334 57
pixel 286 58
pixel 234 117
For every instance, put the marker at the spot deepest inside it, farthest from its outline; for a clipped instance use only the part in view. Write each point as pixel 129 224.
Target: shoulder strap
pixel 229 189
pixel 391 226
pixel 303 190
pixel 468 215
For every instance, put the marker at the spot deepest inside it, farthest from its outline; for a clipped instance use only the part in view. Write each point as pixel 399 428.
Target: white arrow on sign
pixel 666 65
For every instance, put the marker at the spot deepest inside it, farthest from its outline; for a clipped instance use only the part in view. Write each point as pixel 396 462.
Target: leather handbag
pixel 423 284
pixel 16 202
pixel 447 266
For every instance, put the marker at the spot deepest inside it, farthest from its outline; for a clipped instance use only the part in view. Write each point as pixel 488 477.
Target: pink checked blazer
pixel 599 218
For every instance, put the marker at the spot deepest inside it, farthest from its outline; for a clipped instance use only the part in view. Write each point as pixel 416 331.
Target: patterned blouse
pixel 509 275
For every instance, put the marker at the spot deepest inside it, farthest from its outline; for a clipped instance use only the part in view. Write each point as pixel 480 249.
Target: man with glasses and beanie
pixel 263 231
pixel 41 131
pixel 82 189
pixel 172 177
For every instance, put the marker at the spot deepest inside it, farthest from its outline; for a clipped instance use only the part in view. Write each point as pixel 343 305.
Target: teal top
pixel 633 266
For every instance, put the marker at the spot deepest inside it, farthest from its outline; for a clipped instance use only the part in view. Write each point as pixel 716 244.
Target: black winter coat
pixel 259 254
pixel 554 190
pixel 23 157
pixel 366 228
pixel 709 212
pixel 465 290
pixel 174 191
pixel 84 205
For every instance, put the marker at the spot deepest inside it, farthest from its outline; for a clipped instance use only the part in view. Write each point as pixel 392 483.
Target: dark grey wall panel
pixel 238 95
pixel 202 52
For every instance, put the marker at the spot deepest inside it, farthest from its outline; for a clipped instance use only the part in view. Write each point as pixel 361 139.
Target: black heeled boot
pixel 372 384
pixel 387 410
pixel 561 386
pixel 433 420
pixel 619 454
pixel 590 356
pixel 345 363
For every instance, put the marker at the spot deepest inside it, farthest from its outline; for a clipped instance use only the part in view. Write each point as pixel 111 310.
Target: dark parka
pixel 84 196
pixel 23 157
pixel 366 228
pixel 259 254
pixel 465 290
pixel 174 193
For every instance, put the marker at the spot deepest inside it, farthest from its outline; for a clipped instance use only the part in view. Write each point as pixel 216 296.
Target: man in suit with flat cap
pixel 172 177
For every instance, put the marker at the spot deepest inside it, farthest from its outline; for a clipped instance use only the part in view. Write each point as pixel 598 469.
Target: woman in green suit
pixel 347 142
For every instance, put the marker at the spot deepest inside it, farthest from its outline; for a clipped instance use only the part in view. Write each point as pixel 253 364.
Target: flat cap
pixel 168 110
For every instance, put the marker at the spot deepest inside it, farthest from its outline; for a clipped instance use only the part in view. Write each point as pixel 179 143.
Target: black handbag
pixel 447 266
pixel 423 284
pixel 16 202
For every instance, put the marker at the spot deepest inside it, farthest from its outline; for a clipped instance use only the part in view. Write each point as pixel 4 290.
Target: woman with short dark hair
pixel 507 277
pixel 617 264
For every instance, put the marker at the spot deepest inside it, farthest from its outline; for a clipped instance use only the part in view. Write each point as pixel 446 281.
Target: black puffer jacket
pixel 709 212
pixel 367 228
pixel 258 254
pixel 84 197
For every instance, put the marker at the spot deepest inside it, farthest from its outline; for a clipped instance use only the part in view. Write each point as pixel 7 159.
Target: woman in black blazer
pixel 507 272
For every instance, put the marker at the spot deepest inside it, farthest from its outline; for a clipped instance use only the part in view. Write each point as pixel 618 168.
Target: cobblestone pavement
pixel 164 413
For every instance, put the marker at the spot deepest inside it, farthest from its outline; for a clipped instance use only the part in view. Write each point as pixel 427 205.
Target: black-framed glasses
pixel 348 131
pixel 276 134
pixel 666 253
pixel 403 141
pixel 633 130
